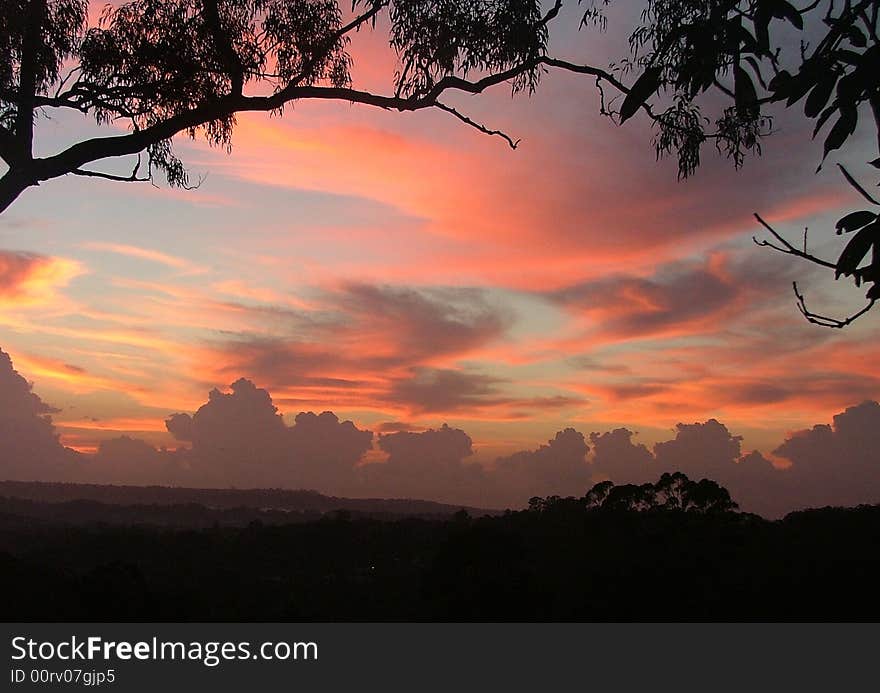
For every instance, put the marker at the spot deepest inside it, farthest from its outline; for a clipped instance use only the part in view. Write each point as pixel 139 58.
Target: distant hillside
pixel 152 502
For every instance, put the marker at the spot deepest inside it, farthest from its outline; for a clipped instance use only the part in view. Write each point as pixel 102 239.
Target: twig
pixel 824 320
pixel 109 176
pixel 787 247
pixel 133 178
pixel 482 128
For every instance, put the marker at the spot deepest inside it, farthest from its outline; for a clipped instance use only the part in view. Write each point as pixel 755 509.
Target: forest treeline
pixel 676 549
pixel 140 499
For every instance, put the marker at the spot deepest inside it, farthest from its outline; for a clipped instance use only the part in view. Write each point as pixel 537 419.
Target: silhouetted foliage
pixel 673 550
pixel 673 492
pixel 169 66
pixel 757 53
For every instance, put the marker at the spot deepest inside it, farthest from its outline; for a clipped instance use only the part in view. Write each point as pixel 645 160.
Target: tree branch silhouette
pixel 194 79
pixel 478 126
pixel 866 238
pixel 701 72
pixel 824 320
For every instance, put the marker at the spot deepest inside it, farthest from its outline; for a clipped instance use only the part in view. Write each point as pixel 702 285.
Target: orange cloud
pixel 28 279
pixel 491 216
pixel 75 378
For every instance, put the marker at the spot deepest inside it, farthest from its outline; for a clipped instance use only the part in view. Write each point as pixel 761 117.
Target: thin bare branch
pixel 824 320
pixel 787 247
pixel 110 176
pixel 66 79
pixel 551 14
pixel 472 123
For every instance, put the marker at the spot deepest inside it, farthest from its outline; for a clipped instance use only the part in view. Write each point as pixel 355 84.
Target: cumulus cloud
pixel 127 460
pixel 326 450
pixel 237 437
pixel 430 464
pixel 699 450
pixel 240 438
pixel 709 450
pixel 30 448
pixel 557 468
pixel 616 457
pixel 760 487
pixel 839 463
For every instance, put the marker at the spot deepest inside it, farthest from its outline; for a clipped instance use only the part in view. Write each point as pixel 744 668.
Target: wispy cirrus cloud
pixel 150 255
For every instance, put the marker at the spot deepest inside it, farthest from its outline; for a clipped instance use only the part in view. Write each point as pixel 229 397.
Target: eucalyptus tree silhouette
pixel 171 66
pixel 672 492
pixel 164 67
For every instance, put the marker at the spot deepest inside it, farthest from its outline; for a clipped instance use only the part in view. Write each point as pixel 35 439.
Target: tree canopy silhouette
pixel 672 492
pixel 171 66
pixel 165 67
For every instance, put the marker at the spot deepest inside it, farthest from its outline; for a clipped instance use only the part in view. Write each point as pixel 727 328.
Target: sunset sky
pixel 405 271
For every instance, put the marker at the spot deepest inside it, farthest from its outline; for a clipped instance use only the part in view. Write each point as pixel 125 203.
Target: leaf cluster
pixel 691 48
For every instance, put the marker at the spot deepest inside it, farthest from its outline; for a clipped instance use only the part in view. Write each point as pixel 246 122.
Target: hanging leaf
pixel 820 94
pixel 743 38
pixel 744 91
pixel 847 56
pixel 856 249
pixel 826 114
pixel 870 62
pixel 642 89
pixel 784 10
pixel 871 273
pixel 843 128
pixel 866 275
pixel 779 82
pixel 848 88
pixel 854 221
pixel 856 37
pixel 801 84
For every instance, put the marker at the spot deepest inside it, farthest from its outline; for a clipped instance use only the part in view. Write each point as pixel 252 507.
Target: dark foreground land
pixel 645 553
